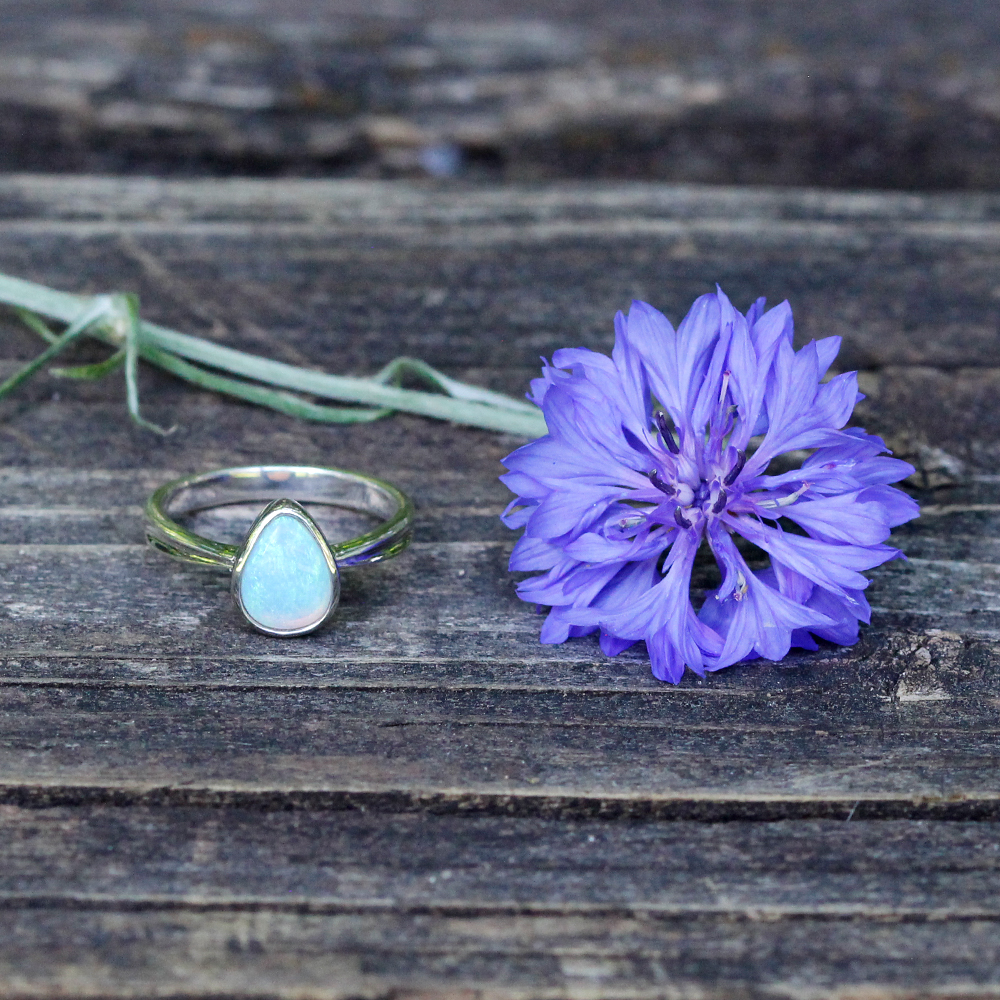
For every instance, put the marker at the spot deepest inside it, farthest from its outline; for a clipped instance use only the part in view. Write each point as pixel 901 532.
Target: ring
pixel 285 575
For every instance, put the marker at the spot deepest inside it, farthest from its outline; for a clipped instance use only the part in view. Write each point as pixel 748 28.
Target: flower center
pixel 702 497
pixel 698 493
pixel 707 499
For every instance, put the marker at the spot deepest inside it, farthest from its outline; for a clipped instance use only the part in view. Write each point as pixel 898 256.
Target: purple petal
pixel 899 507
pixel 611 645
pixel 517 513
pixel 533 554
pixel 675 362
pixel 591 547
pixel 557 628
pixel 571 511
pixel 844 518
pixel 827 350
pixel 664 617
pixel 753 618
pixel 755 312
pixel 845 616
pixel 863 517
pixel 786 581
pixel 833 566
pixel 569 583
pixel 773 326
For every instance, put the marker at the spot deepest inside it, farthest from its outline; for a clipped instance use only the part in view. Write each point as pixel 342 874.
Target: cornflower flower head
pixel 666 446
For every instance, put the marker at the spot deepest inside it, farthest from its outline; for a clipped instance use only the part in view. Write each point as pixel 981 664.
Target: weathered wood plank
pixel 807 752
pixel 901 293
pixel 369 862
pixel 117 899
pixel 107 507
pixel 886 710
pixel 335 957
pixel 472 531
pixel 445 615
pixel 857 94
pixel 377 205
pixel 39 489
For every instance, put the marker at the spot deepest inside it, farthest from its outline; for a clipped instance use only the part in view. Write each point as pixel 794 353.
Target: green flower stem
pixel 283 402
pixel 458 390
pixel 464 404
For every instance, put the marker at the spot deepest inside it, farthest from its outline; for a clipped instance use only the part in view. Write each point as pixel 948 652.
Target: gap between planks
pixel 520 804
pixel 821 913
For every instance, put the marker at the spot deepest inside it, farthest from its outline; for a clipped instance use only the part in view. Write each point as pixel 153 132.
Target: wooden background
pixel 896 94
pixel 420 799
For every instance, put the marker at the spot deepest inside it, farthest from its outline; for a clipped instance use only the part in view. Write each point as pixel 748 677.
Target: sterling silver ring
pixel 285 574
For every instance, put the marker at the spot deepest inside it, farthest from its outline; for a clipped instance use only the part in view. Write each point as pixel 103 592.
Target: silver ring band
pixel 276 562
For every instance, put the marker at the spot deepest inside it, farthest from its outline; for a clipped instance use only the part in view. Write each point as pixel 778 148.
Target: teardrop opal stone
pixel 286 583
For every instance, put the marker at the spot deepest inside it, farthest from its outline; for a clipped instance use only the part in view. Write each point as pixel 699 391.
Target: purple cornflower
pixel 665 446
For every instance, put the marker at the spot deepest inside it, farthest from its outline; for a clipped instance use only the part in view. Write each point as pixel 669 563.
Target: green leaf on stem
pixel 95 371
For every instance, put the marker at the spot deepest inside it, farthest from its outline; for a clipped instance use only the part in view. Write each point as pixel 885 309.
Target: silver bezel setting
pixel 284 488
pixel 285 508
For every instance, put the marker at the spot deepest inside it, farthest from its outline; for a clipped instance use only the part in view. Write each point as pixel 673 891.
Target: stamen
pixel 681 520
pixel 741 589
pixel 733 473
pixel 665 432
pixel 784 501
pixel 720 502
pixel 660 484
pixel 630 523
pixel 725 385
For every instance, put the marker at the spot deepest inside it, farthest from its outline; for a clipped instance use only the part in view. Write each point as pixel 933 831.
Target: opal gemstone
pixel 286 583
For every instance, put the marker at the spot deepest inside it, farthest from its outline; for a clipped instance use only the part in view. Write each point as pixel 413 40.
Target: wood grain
pixel 118 901
pixel 262 954
pixel 315 861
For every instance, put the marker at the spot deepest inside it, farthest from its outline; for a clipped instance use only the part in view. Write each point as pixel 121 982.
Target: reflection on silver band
pixel 264 483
